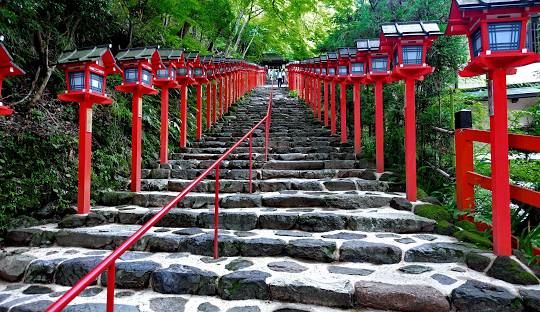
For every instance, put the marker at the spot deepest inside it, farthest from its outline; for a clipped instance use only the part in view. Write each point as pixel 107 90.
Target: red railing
pixel 109 262
pixel 467 179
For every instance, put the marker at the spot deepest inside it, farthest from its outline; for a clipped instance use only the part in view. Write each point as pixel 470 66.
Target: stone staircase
pixel 317 233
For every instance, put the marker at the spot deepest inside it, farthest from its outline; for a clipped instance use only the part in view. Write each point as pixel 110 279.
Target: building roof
pixel 192 55
pixel 83 55
pixel 488 4
pixel 512 93
pixel 404 29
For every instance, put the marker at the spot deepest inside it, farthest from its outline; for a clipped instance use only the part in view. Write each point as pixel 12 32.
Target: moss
pixel 473 237
pixel 509 270
pixel 466 225
pixel 445 228
pixel 420 193
pixel 433 212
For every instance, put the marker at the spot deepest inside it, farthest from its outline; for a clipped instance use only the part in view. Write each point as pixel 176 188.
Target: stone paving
pixel 320 232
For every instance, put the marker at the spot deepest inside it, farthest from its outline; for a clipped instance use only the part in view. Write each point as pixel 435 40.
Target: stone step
pixel 260 157
pixel 273 185
pixel 275 150
pixel 326 247
pixel 272 144
pixel 157 282
pixel 261 174
pixel 17 297
pixel 347 200
pixel 246 219
pixel 272 164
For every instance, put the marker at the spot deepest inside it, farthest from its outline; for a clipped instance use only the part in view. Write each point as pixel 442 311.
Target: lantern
pixel 410 42
pixel 85 72
pixel 208 62
pixel 378 73
pixel 498 35
pixel 165 79
pixel 139 65
pixel 7 69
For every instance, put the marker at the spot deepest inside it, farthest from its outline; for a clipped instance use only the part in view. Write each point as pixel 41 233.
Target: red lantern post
pixel 7 69
pixel 343 78
pixel 379 73
pixel 497 34
pixel 86 72
pixel 138 65
pixel 166 79
pixel 332 76
pixel 410 42
pixel 209 63
pixel 199 75
pixel 184 78
pixel 325 80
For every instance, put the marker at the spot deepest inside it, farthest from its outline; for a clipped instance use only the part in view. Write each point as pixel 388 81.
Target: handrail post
pixel 111 284
pixel 464 162
pixel 250 163
pixel 216 213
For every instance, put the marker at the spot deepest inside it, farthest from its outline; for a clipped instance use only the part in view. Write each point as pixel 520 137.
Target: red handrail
pixel 109 262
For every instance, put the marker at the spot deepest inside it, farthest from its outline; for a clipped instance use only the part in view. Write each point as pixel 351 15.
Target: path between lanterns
pixel 317 234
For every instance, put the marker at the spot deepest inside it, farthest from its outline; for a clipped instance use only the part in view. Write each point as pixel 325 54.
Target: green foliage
pixel 433 212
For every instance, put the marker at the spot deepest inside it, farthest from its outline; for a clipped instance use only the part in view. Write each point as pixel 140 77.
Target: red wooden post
pixel 500 175
pixel 333 127
pixel 183 115
pixel 343 112
pixel 136 141
pixel 111 284
pixel 464 162
pixel 198 130
pixel 221 84
pixel 379 126
pixel 208 105
pixel 164 132
pixel 357 120
pixel 216 213
pixel 85 157
pixel 215 100
pixel 410 139
pixel 318 97
pixel 326 103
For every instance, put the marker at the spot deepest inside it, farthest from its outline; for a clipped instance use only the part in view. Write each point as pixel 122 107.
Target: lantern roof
pixel 316 60
pixel 207 59
pixel 171 54
pixel 407 29
pixel 6 61
pixel 332 56
pixel 343 52
pixel 368 44
pixel 489 4
pixel 324 58
pixel 90 55
pixel 145 53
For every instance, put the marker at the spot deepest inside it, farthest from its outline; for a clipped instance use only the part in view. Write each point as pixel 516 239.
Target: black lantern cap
pixel 368 44
pixel 492 4
pixel 192 55
pixel 343 52
pixel 332 56
pixel 136 53
pixel 170 54
pixel 324 58
pixel 404 29
pixel 90 54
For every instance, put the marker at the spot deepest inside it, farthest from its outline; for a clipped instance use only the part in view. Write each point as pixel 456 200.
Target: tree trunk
pixel 248 46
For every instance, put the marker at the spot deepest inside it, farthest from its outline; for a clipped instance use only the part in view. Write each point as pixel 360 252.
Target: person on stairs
pixel 279 78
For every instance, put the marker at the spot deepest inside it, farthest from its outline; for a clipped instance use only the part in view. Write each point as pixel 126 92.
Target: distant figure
pixel 280 76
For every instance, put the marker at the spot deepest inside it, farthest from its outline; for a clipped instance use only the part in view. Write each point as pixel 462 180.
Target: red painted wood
pixel 343 112
pixel 183 116
pixel 410 139
pixel 325 92
pixel 164 132
pixel 357 120
pixel 85 157
pixel 379 126
pixel 500 174
pixel 136 141
pixel 198 116
pixel 333 127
